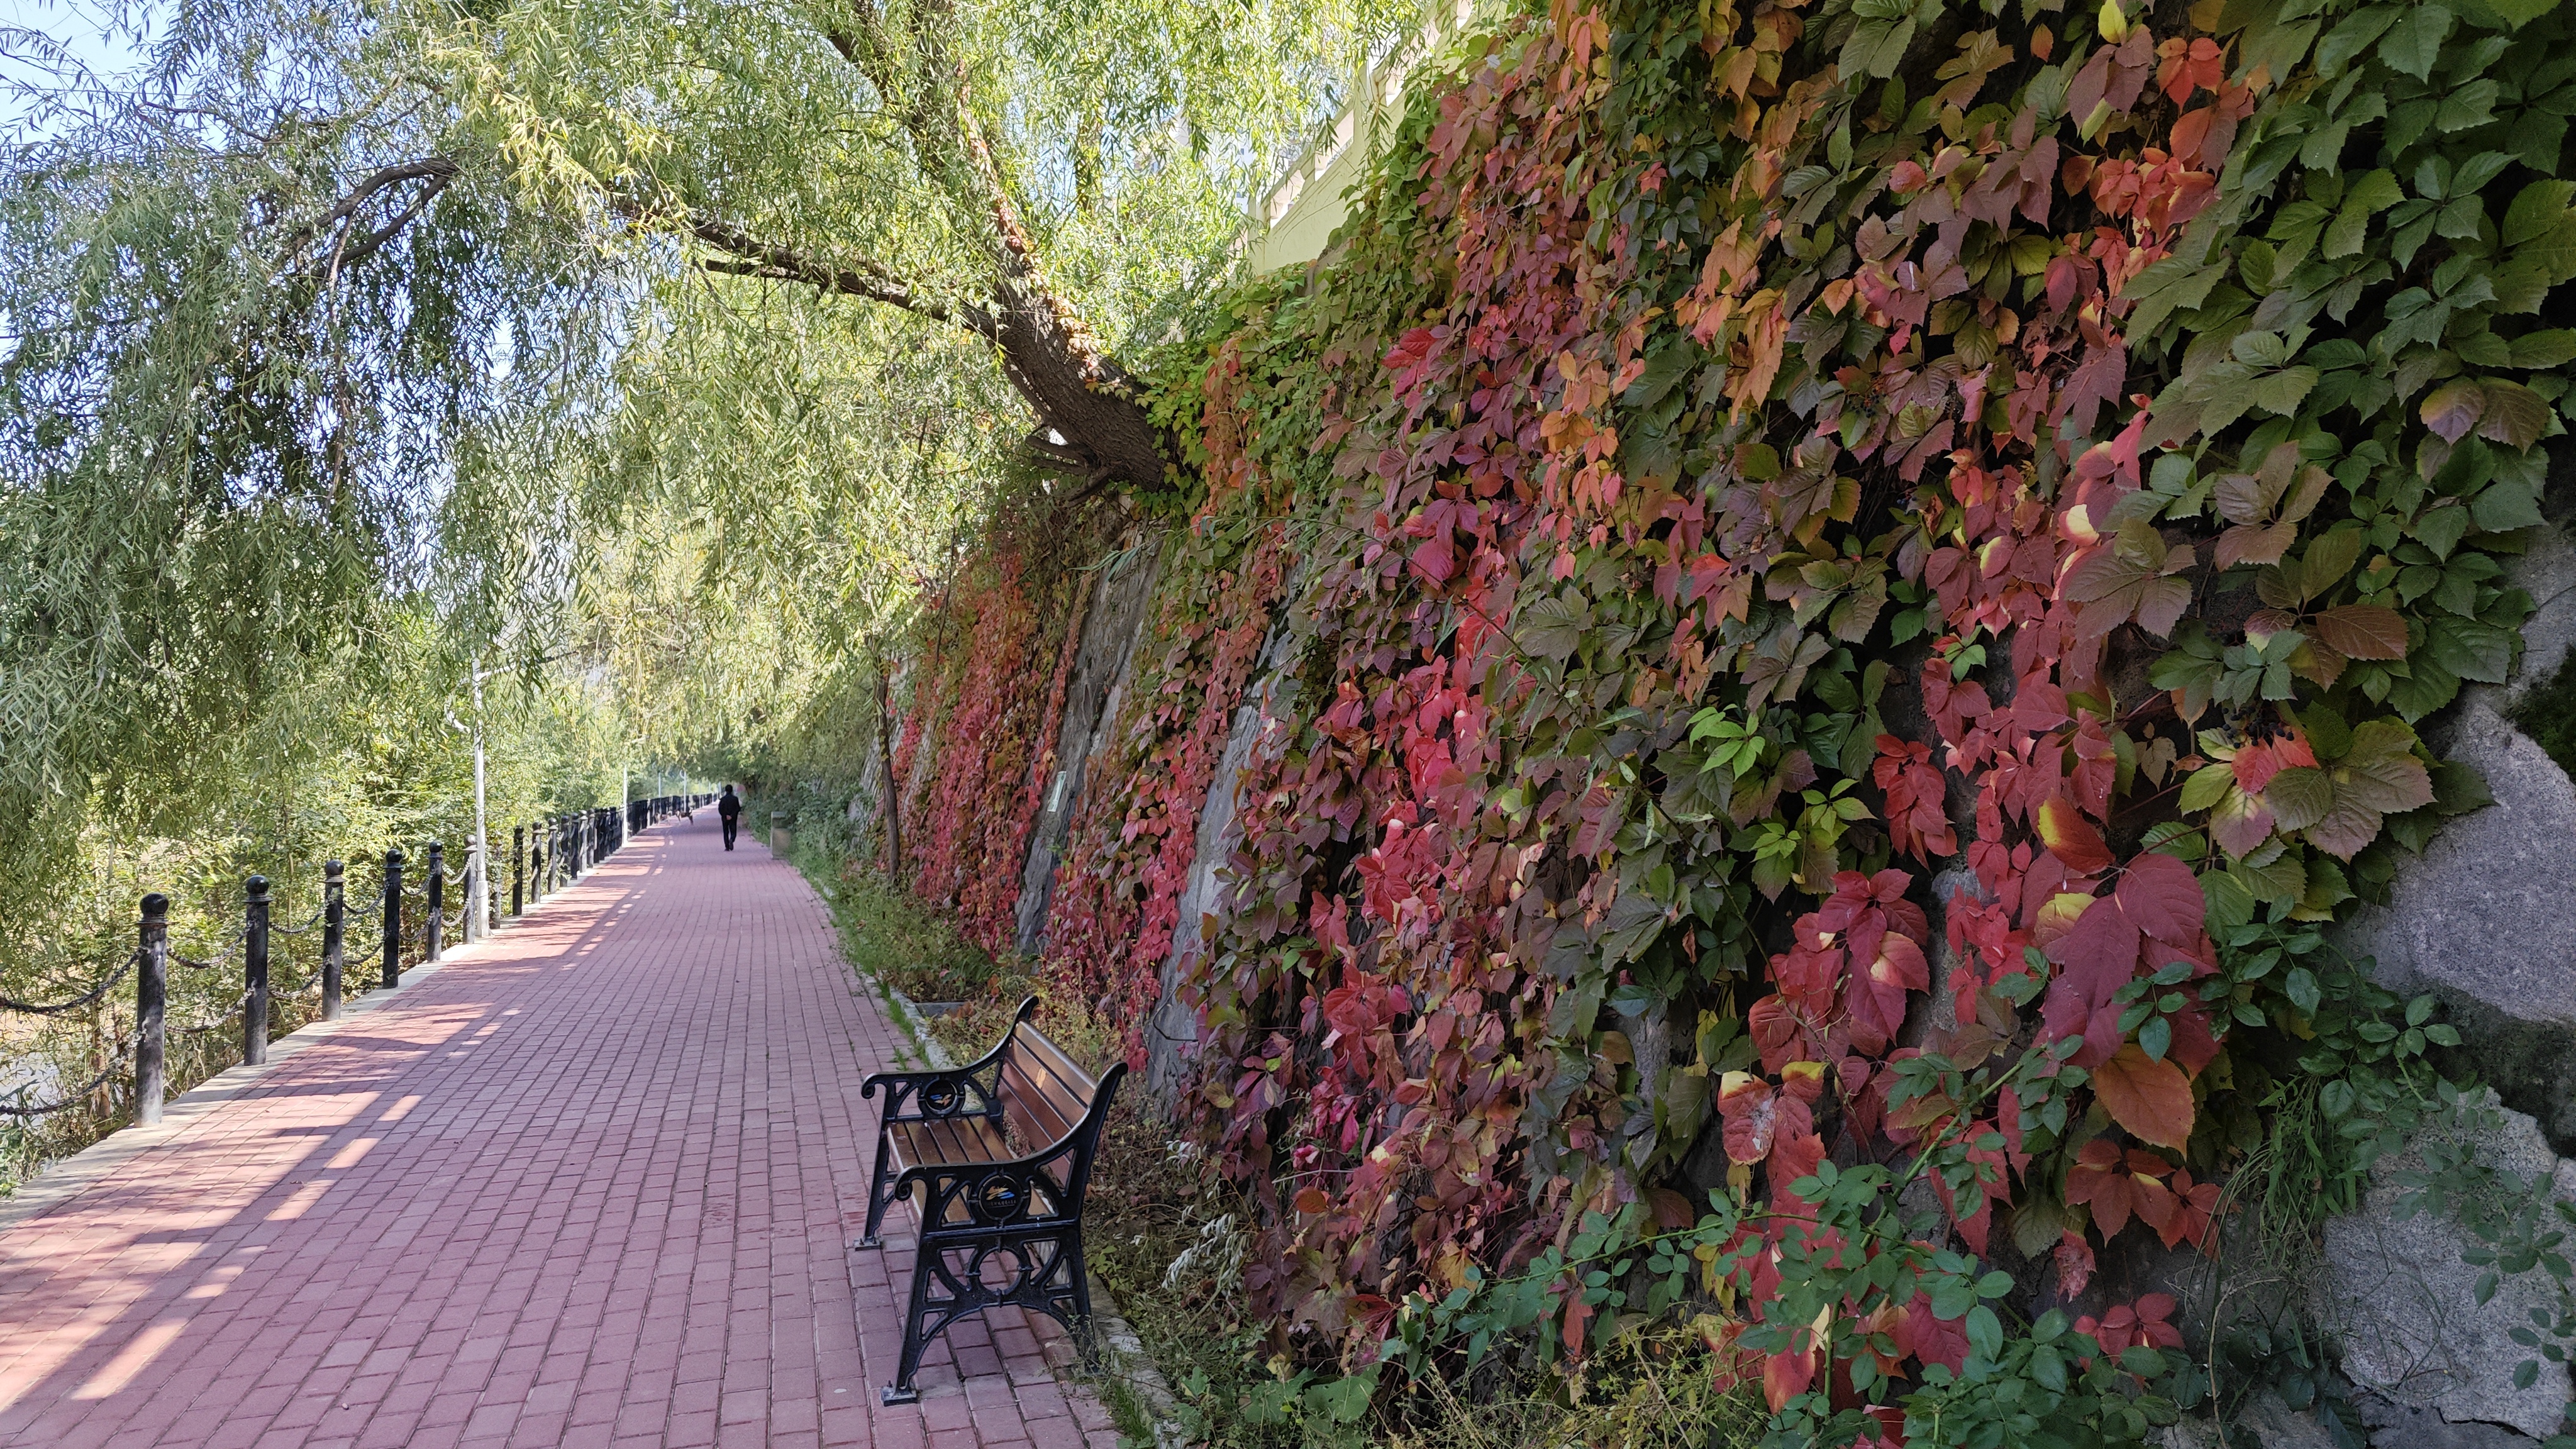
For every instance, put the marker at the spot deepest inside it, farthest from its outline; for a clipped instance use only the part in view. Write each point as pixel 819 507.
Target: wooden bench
pixel 994 1158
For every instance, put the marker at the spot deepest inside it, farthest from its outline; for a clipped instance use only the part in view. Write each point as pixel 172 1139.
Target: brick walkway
pixel 589 1183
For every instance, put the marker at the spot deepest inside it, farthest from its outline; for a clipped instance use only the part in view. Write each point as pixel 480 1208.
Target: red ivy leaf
pixel 2162 897
pixel 1932 1339
pixel 2257 763
pixel 1786 1375
pixel 2074 1259
pixel 2099 952
pixel 1876 993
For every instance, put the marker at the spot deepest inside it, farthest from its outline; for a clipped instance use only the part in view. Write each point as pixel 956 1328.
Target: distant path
pixel 590 1183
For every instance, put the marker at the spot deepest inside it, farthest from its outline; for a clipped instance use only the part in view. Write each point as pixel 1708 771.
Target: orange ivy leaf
pixel 2071 838
pixel 2150 1099
pixel 2363 631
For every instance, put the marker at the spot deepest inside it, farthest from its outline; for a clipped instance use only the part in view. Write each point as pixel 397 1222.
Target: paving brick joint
pixel 591 1183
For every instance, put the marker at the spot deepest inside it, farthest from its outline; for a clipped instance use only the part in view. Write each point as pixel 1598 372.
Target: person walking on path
pixel 730 810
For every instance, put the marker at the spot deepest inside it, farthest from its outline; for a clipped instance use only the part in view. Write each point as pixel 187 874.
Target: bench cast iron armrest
pixel 973 1090
pixel 1019 1193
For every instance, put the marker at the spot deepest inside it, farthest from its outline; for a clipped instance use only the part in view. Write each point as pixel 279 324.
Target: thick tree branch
pixel 909 90
pixel 748 256
pixel 439 171
pixel 1050 354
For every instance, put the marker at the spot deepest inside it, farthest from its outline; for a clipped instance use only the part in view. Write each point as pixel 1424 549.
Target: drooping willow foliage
pixel 237 336
pixel 346 358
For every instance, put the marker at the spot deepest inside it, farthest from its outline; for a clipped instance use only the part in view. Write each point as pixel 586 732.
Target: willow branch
pixel 745 255
pixel 439 171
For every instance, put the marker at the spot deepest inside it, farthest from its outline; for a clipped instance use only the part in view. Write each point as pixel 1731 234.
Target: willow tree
pixel 254 295
pixel 1051 178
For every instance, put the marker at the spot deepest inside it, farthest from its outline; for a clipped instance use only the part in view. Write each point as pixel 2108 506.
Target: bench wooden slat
pixel 1034 1113
pixel 963 1139
pixel 1070 1075
pixel 1044 1094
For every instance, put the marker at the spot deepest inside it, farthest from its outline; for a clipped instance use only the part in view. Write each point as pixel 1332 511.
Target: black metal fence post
pixel 437 901
pixel 393 919
pixel 151 1003
pixel 255 971
pixel 335 935
pixel 518 868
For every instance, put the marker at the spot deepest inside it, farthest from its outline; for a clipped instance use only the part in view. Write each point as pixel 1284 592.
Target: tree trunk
pixel 892 810
pixel 1083 395
pixel 1091 411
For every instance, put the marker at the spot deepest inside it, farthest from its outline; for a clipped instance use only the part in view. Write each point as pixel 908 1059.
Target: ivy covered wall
pixel 1819 606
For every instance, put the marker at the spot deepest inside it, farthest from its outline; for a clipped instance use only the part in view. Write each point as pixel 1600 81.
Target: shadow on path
pixel 590 1182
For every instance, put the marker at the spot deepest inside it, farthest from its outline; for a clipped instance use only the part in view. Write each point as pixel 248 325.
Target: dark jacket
pixel 729 807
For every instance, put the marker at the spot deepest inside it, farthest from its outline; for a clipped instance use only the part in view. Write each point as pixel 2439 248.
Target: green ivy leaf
pixel 2414 42
pixel 2353 36
pixel 2156 1037
pixel 2281 392
pixel 2299 796
pixel 2458 788
pixel 2469 105
pixel 2535 210
pixel 1985 1333
pixel 2375 192
pixel 2301 987
pixel 2336 1099
pixel 2519 13
pixel 2441 529
pixel 1552 629
pixel 2470 649
pixel 2538 350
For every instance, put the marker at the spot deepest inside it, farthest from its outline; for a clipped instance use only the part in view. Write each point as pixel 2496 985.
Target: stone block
pixel 2400 1301
pixel 2485 917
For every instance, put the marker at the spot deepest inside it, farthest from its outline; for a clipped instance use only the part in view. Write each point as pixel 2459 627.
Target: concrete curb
pixel 68 1177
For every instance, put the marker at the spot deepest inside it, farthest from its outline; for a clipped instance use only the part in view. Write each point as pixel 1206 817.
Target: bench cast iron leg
pixel 1081 1270
pixel 916 1339
pixel 1034 1286
pixel 876 1199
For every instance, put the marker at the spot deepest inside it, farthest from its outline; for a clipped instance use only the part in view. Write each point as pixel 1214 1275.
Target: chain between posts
pixel 80 1093
pixel 77 1002
pixel 310 922
pixel 558 850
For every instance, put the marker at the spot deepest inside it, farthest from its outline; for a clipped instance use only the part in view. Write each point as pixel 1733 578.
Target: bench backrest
pixel 1044 1095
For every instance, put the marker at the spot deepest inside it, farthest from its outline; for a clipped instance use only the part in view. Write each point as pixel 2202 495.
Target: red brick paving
pixel 590 1183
